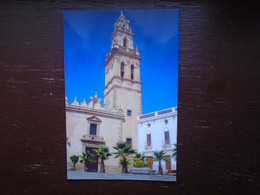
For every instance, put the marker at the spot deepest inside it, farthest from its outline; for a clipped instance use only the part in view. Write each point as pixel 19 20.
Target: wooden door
pixel 168 162
pixel 150 162
pixel 92 165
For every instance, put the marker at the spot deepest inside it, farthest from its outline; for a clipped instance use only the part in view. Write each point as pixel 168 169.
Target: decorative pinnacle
pixel 122 15
pixel 95 92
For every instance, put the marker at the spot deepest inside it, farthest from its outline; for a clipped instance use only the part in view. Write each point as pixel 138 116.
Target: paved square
pixel 76 175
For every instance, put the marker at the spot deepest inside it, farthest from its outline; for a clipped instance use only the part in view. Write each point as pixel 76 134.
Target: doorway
pixel 92 166
pixel 150 162
pixel 168 162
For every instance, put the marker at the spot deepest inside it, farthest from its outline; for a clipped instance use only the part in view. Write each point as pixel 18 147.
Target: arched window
pixel 124 42
pixel 132 72
pixel 122 69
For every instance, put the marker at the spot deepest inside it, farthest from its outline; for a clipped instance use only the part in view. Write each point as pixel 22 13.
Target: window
pixel 132 72
pixel 93 129
pixel 124 42
pixel 129 140
pixel 129 112
pixel 122 70
pixel 93 126
pixel 166 137
pixel 166 122
pixel 148 136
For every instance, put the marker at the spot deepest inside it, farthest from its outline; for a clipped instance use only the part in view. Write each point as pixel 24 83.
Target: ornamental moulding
pixel 118 51
pixel 123 79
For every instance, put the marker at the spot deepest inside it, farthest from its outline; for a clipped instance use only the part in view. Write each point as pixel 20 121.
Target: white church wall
pixel 109 131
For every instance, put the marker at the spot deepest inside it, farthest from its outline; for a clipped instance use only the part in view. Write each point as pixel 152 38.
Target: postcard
pixel 121 85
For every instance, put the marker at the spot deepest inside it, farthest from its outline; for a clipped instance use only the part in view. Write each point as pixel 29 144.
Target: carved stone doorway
pixel 92 166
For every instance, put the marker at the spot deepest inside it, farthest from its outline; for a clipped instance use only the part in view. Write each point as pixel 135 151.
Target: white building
pixel 158 131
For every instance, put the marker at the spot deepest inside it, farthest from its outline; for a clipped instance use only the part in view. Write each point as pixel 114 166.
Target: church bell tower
pixel 122 90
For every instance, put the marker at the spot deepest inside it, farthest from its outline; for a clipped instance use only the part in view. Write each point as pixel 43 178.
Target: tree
pixel 159 156
pixel 103 154
pixel 125 163
pixel 139 155
pixel 123 150
pixel 174 155
pixel 74 159
pixel 86 157
pixel 139 160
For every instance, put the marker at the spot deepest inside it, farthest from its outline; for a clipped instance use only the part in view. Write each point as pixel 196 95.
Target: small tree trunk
pixel 102 166
pixel 126 170
pixel 160 168
pixel 124 165
pixel 85 167
pixel 74 166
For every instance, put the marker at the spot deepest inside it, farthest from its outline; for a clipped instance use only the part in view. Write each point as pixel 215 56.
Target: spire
pixel 75 102
pixel 95 93
pixel 122 15
pixel 84 103
pixel 66 100
pixel 122 19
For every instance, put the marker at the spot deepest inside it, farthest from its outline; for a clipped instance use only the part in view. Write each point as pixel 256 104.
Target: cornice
pixel 95 112
pixel 124 79
pixel 157 117
pixel 118 86
pixel 118 51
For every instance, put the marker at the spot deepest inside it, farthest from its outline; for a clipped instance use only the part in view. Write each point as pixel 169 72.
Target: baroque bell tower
pixel 122 90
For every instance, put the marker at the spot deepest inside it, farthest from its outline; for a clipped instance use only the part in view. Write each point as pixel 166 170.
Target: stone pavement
pixel 77 175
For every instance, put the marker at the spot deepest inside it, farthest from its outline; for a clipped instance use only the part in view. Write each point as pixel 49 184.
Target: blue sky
pixel 87 41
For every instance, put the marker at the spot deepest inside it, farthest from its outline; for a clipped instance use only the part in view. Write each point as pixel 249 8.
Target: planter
pixel 141 170
pixel 172 172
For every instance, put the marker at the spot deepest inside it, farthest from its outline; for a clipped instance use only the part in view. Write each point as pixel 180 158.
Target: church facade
pixel 90 125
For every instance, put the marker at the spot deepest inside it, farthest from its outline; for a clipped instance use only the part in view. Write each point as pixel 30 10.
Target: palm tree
pixel 125 163
pixel 174 155
pixel 159 156
pixel 123 150
pixel 139 155
pixel 74 159
pixel 103 154
pixel 86 157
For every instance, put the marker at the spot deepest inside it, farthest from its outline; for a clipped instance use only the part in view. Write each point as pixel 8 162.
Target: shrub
pixel 139 163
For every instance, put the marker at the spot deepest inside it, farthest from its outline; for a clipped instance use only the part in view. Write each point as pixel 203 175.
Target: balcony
pixel 91 139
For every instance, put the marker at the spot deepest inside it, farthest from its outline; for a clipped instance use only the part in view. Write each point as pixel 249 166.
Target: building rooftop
pixel 157 114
